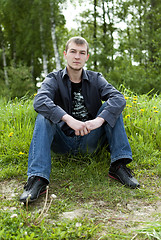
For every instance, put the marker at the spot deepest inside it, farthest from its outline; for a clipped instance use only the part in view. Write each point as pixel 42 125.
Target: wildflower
pixel 156 111
pixel 134 101
pixel 35 94
pixel 10 134
pixel 78 224
pixel 126 98
pixel 53 196
pixel 141 110
pixel 127 116
pixel 155 107
pixel 21 153
pixel 135 98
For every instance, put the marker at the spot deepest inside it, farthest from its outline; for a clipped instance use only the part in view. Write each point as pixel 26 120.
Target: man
pixel 72 119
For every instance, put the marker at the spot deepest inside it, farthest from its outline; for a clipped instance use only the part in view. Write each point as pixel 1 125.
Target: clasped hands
pixel 82 128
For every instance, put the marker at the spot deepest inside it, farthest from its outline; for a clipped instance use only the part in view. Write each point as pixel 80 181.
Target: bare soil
pixel 127 217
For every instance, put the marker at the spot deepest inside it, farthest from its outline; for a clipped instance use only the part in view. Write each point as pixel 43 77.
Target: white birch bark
pixel 4 58
pixel 44 56
pixel 4 66
pixel 53 35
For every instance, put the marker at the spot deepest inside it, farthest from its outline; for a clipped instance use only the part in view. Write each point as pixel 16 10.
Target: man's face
pixel 76 56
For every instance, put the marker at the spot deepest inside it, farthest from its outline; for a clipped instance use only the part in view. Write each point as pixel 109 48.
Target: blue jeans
pixel 48 136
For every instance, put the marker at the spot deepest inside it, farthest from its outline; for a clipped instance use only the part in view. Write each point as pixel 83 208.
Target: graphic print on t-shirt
pixel 79 110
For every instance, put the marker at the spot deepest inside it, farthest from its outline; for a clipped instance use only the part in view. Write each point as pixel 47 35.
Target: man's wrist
pixel 66 117
pixel 102 120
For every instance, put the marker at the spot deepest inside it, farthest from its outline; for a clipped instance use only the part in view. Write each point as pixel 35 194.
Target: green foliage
pixel 15 226
pixel 136 78
pixel 20 82
pixel 77 229
pixel 151 231
pixel 16 126
pixel 142 122
pixel 26 35
pixel 21 224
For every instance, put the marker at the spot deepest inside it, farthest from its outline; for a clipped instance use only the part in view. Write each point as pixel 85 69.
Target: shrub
pixel 20 82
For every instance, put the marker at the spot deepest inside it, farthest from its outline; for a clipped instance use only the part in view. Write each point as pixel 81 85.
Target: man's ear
pixel 65 54
pixel 87 58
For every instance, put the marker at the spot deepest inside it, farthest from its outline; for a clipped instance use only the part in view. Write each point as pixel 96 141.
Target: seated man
pixel 72 119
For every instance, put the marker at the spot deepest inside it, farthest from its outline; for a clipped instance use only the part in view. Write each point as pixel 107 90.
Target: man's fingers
pixel 82 132
pixel 77 133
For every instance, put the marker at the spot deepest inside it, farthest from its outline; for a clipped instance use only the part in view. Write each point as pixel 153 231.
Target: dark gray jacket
pixel 54 97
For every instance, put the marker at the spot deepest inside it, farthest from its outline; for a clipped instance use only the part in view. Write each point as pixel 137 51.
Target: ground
pixel 126 216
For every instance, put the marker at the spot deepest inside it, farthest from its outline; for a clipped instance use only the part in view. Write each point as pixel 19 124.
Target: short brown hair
pixel 77 40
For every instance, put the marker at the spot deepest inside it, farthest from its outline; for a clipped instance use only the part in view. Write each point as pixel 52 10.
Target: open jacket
pixel 54 100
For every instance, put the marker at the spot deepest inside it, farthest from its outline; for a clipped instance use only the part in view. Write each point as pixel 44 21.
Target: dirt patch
pixel 10 189
pixel 127 217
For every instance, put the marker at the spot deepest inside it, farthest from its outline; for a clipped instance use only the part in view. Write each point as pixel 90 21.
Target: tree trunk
pixel 104 18
pixel 140 31
pixel 53 35
pixel 44 56
pixel 111 29
pixel 4 58
pixel 95 34
pixel 4 66
pixel 152 30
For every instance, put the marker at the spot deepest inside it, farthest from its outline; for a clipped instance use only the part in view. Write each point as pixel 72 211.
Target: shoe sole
pixel 113 177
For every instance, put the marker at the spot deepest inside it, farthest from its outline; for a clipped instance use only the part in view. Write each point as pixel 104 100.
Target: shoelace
pixel 128 170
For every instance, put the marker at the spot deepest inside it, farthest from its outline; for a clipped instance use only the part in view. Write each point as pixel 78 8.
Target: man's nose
pixel 77 55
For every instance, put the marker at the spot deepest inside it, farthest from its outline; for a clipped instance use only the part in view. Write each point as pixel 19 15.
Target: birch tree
pixel 4 57
pixel 54 39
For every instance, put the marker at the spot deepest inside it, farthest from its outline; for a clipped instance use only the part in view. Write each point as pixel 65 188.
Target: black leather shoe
pixel 34 187
pixel 123 174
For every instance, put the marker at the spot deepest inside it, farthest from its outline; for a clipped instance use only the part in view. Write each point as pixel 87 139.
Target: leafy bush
pixel 20 82
pixel 138 79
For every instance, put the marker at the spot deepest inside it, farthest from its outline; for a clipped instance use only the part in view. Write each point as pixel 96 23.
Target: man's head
pixel 78 41
pixel 76 53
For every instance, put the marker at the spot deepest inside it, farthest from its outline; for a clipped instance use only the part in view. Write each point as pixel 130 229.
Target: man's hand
pixel 95 123
pixel 79 127
pixel 82 128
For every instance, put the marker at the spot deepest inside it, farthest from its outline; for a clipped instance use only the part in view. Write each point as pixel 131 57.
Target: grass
pixel 80 182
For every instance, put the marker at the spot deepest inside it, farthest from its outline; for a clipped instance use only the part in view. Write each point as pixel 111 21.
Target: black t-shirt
pixel 79 110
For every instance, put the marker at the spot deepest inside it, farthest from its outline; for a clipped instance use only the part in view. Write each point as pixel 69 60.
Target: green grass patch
pixel 81 181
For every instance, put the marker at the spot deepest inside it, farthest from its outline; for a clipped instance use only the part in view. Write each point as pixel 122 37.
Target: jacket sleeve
pixel 44 100
pixel 114 99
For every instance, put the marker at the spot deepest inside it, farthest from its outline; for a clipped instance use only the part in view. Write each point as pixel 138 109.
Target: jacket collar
pixel 84 74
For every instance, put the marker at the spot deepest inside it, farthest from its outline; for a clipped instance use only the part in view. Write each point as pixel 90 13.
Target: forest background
pixel 124 38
